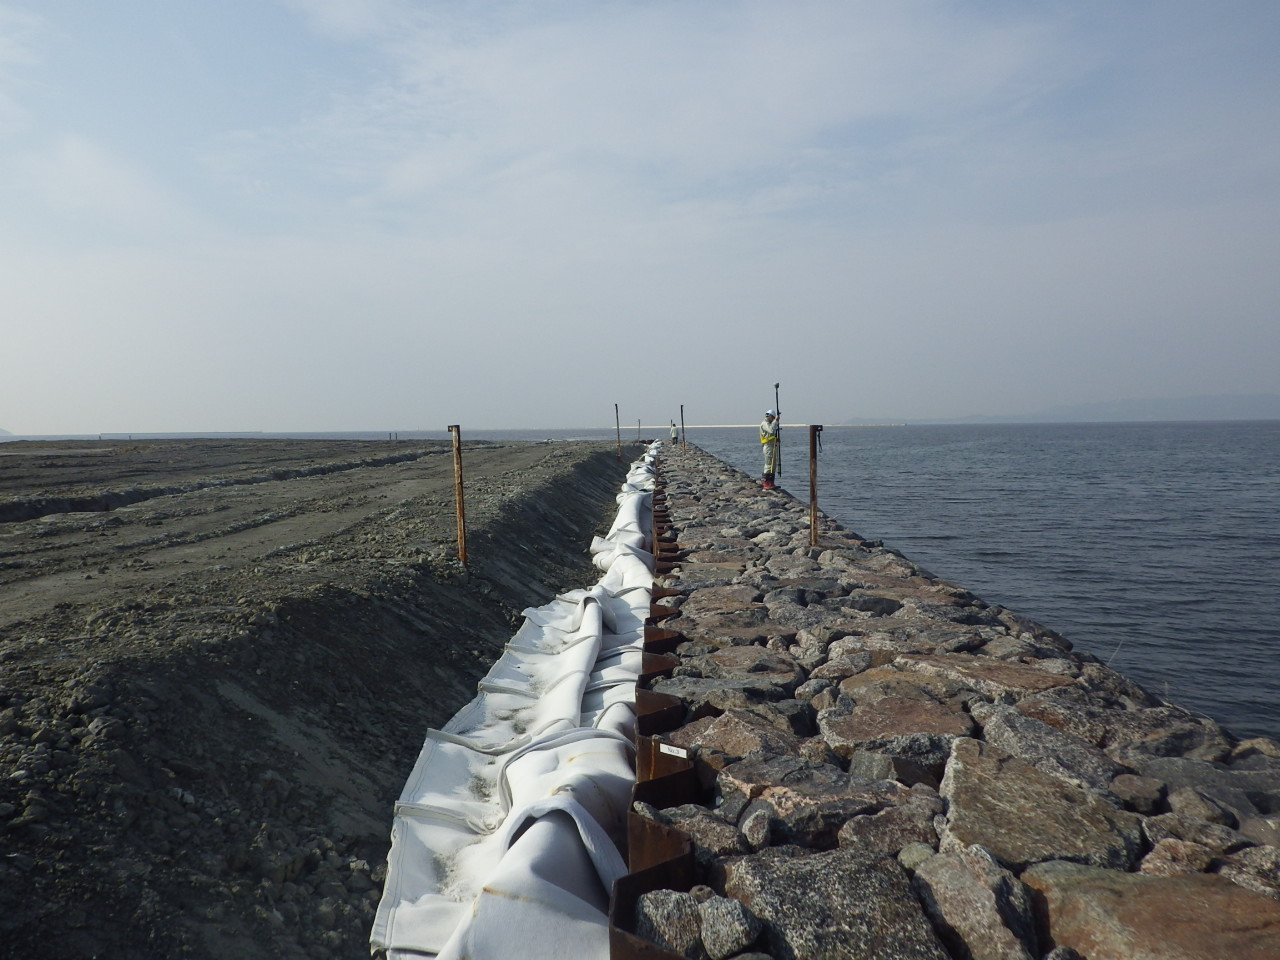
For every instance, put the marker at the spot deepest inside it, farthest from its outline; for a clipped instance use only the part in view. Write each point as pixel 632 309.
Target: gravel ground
pixel 217 663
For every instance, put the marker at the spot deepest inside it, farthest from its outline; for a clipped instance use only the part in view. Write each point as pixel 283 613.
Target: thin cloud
pixel 940 208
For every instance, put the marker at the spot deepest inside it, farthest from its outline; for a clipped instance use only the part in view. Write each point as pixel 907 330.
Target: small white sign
pixel 674 751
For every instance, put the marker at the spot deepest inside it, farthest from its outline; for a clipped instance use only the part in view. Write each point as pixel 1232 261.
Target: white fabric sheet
pixel 511 820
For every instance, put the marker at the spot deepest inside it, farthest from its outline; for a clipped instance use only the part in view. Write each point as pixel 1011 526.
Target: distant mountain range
pixel 1247 406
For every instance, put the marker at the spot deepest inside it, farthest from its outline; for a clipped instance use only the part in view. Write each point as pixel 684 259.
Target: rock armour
pixel 891 766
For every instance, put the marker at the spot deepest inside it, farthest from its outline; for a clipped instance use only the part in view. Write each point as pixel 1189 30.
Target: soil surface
pixel 218 659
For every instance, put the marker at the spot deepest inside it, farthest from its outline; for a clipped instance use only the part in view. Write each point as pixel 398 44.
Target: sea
pixel 1153 546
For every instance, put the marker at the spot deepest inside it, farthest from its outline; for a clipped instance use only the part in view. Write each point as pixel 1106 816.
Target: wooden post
pixel 684 436
pixel 456 430
pixel 814 433
pixel 618 424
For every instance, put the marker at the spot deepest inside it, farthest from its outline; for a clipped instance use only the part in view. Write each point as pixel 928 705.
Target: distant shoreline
pixel 594 433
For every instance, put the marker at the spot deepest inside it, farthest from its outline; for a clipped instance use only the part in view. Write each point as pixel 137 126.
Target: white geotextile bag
pixel 505 839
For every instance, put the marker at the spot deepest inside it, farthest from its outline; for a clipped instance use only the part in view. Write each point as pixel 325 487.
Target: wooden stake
pixel 456 430
pixel 814 432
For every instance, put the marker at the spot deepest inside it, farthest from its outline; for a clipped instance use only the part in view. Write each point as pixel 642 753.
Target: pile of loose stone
pixel 893 768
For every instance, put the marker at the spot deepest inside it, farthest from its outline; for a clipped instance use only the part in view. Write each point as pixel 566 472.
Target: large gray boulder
pixel 979 909
pixel 728 927
pixel 1046 748
pixel 1243 791
pixel 1023 816
pixel 802 802
pixel 672 921
pixel 735 733
pixel 839 905
pixel 896 826
pixel 995 679
pixel 1108 915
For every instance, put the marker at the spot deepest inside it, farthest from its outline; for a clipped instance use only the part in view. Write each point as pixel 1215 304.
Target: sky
pixel 298 215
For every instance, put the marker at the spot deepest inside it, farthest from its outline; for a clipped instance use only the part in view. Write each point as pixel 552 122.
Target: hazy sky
pixel 399 214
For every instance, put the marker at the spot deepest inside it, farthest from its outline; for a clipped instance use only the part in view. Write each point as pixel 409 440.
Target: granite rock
pixel 854 906
pixel 979 909
pixel 1242 792
pixel 1023 816
pixel 672 921
pixel 728 927
pixel 713 836
pixel 735 733
pixel 1108 915
pixel 995 679
pixel 753 667
pixel 806 803
pixel 1179 826
pixel 1257 868
pixel 894 827
pixel 1046 748
pixel 1172 857
pixel 1143 794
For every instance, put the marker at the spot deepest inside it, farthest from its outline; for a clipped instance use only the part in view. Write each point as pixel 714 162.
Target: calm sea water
pixel 1153 546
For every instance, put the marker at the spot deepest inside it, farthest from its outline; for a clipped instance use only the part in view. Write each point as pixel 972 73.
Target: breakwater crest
pixel 890 766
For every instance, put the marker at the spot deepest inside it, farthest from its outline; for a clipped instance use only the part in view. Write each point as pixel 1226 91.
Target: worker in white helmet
pixel 769 440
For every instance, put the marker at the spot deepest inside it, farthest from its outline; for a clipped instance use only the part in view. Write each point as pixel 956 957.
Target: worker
pixel 769 440
pixel 675 434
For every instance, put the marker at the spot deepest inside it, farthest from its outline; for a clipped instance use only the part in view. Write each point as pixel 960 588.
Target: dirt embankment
pixel 217 663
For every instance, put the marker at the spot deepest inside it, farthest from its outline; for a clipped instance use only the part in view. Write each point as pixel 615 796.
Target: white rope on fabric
pixel 505 839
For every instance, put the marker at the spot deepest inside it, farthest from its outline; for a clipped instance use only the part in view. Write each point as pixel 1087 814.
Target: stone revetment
pixel 882 765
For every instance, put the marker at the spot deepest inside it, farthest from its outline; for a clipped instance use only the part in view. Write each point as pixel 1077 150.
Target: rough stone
pixel 1179 826
pixel 736 733
pixel 992 678
pixel 1143 794
pixel 853 907
pixel 1257 868
pixel 882 681
pixel 870 766
pixel 728 927
pixel 1046 748
pixel 889 718
pixel 1108 915
pixel 672 921
pixel 1024 816
pixel 753 667
pixel 720 695
pixel 1192 803
pixel 1261 830
pixel 1172 857
pixel 980 910
pixel 807 803
pixel 712 835
pixel 917 733
pixel 914 854
pixel 1244 793
pixel 1068 709
pixel 894 827
pixel 1134 735
pixel 838 668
